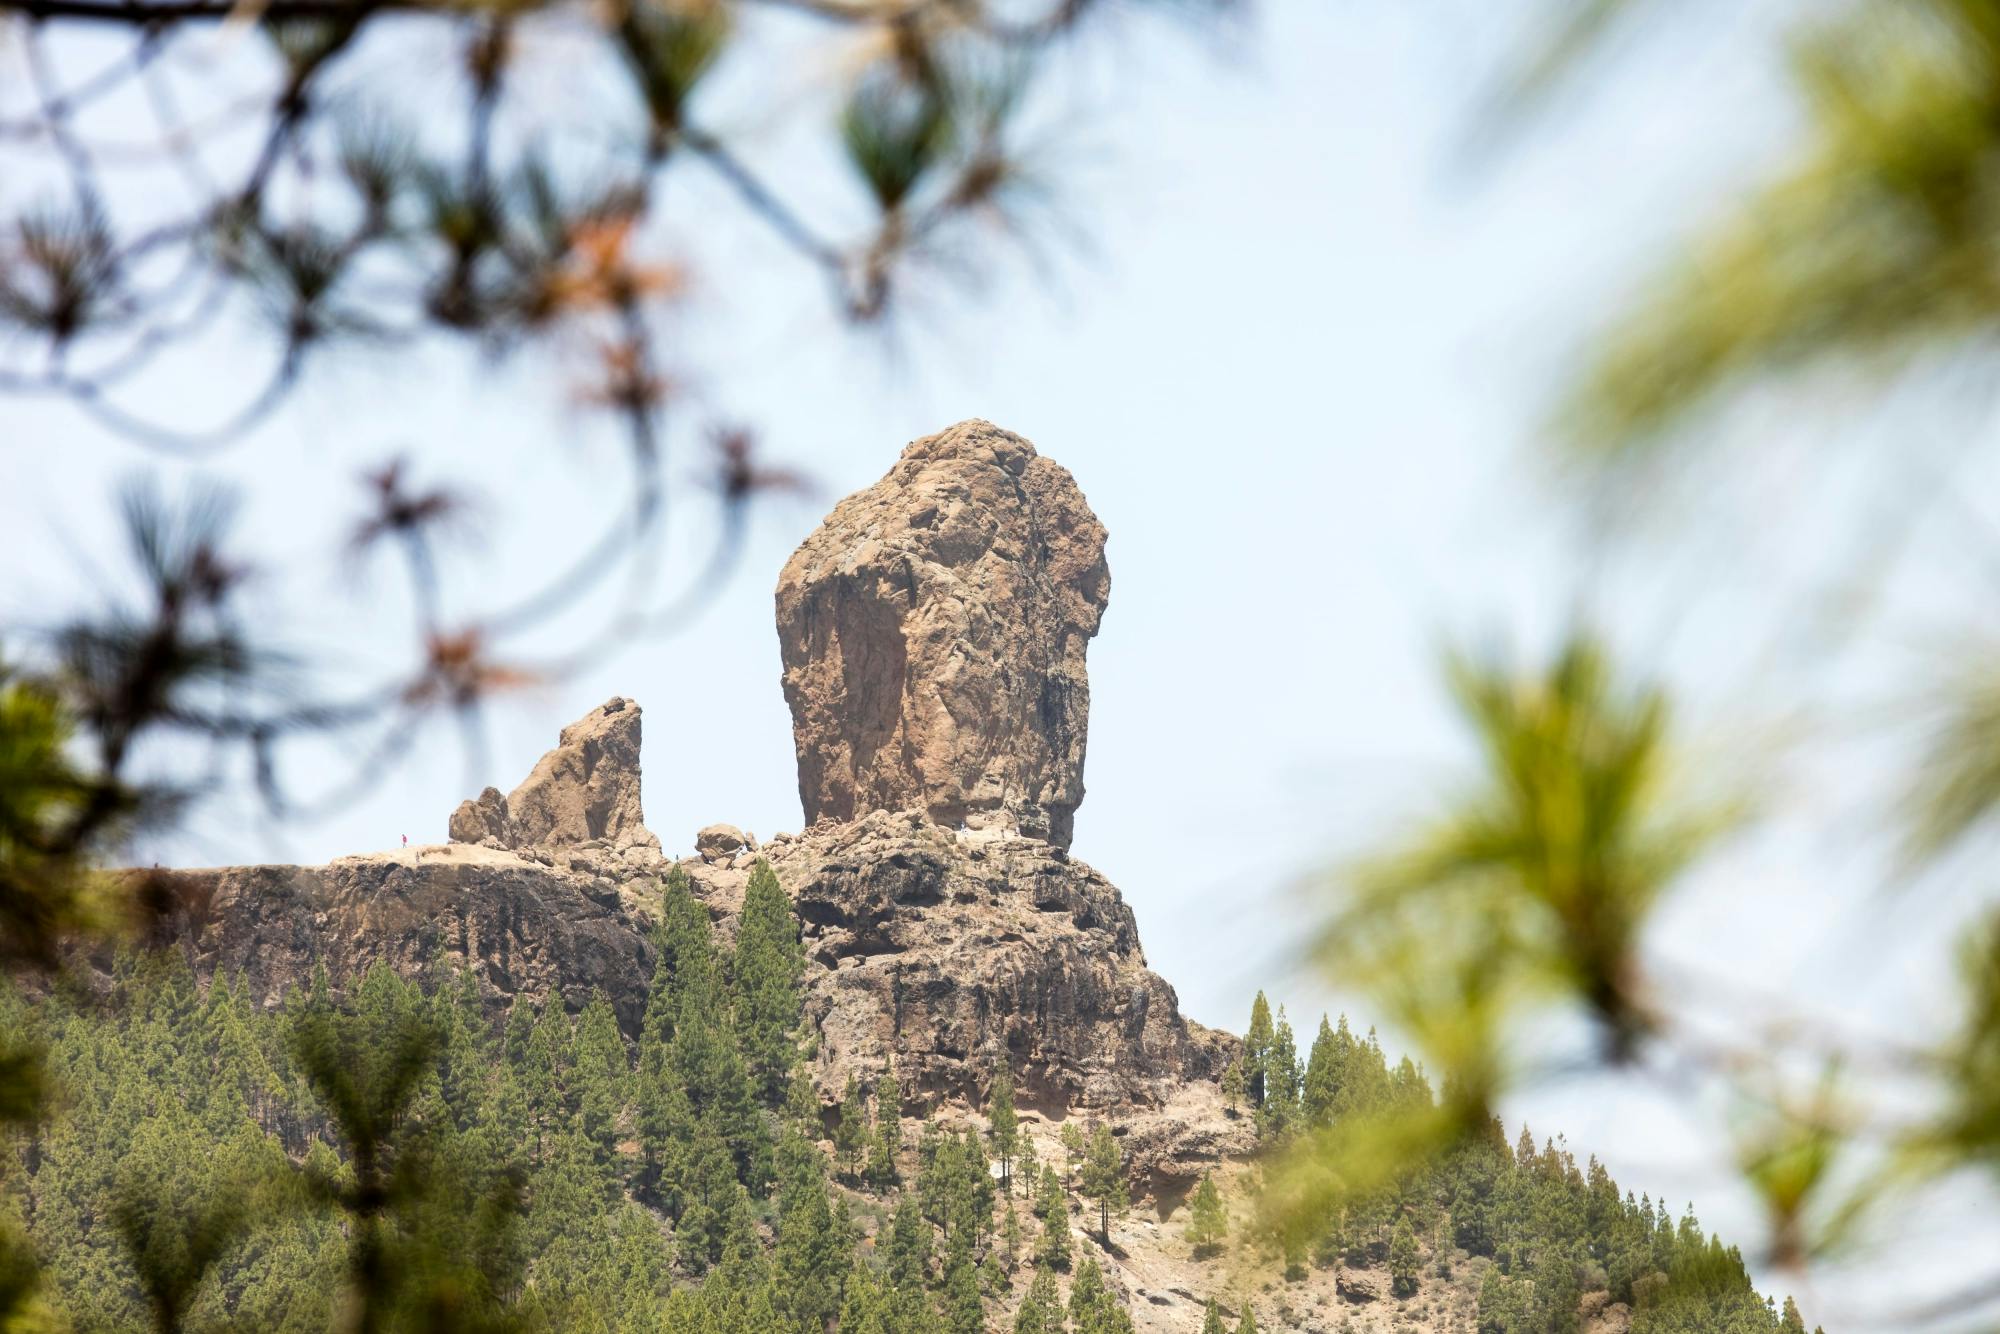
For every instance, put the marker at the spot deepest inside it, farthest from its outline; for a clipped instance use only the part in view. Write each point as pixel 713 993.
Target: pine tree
pixel 1211 1321
pixel 1235 1086
pixel 802 1101
pixel 911 1311
pixel 1104 1179
pixel 979 1187
pixel 1257 1048
pixel 600 1076
pixel 691 1006
pixel 1052 1247
pixel 1280 1110
pixel 993 1278
pixel 1403 1259
pixel 545 1065
pixel 887 1143
pixel 1041 1310
pixel 641 1253
pixel 1208 1221
pixel 708 1198
pixel 685 971
pixel 852 1131
pixel 938 1174
pixel 963 1311
pixel 1092 1308
pixel 1248 1324
pixel 1073 1148
pixel 863 1310
pixel 880 1171
pixel 1321 1091
pixel 1003 1127
pixel 909 1250
pixel 810 1256
pixel 769 962
pixel 161 1092
pixel 666 1126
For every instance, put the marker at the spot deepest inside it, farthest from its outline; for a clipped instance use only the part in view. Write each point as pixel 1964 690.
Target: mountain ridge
pixel 933 634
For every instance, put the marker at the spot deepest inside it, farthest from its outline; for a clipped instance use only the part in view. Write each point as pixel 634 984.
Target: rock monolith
pixel 933 631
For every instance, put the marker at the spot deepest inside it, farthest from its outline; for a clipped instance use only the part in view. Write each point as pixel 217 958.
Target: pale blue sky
pixel 1296 368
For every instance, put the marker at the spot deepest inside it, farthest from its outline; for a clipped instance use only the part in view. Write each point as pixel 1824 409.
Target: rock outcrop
pixel 720 842
pixel 562 925
pixel 587 788
pixel 482 820
pixel 954 953
pixel 933 632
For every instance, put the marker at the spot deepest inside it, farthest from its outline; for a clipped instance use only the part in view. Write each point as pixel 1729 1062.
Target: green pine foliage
pixel 382 1153
pixel 1052 1247
pixel 769 962
pixel 1208 1219
pixel 1235 1086
pixel 1278 1113
pixel 1093 1309
pixel 1257 1041
pixel 1403 1258
pixel 1003 1128
pixel 887 1144
pixel 1553 1229
pixel 850 1135
pixel 1073 1148
pixel 1041 1310
pixel 1104 1179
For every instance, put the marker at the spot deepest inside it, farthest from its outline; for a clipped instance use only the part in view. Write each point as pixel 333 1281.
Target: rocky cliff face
pixel 536 925
pixel 933 632
pixel 952 952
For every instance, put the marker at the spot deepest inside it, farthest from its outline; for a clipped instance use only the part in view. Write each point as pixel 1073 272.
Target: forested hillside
pixel 378 1146
pixel 377 1154
pixel 1561 1238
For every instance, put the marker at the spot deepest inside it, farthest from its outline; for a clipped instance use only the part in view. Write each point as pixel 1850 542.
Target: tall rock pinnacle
pixel 933 632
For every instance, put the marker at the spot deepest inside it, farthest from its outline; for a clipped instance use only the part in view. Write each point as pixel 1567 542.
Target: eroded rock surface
pixel 586 789
pixel 482 819
pixel 565 927
pixel 933 632
pixel 948 953
pixel 954 953
pixel 720 842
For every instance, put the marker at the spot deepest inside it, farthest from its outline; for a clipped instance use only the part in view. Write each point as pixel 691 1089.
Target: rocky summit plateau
pixel 933 633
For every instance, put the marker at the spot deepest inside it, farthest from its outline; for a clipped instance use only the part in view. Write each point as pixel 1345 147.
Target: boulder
pixel 720 842
pixel 483 820
pixel 933 631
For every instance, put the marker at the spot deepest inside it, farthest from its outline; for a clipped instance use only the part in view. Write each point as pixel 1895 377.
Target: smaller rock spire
pixel 586 788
